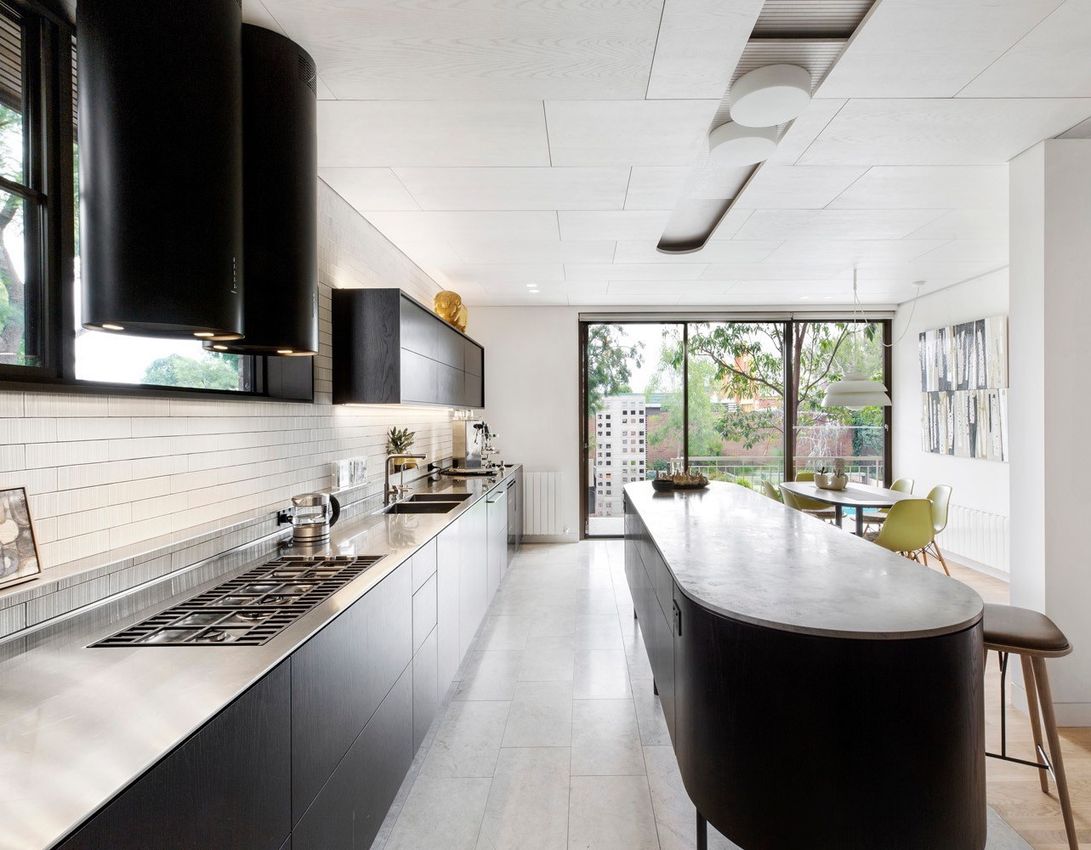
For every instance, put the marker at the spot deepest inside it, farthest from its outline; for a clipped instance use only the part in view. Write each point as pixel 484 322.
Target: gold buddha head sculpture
pixel 449 307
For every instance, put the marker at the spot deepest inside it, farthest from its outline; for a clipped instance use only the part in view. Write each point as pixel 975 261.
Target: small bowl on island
pixel 662 484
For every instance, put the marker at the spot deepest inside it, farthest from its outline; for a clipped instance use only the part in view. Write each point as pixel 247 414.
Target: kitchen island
pixel 819 691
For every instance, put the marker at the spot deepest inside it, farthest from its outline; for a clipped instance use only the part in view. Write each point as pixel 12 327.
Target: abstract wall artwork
pixel 964 386
pixel 18 548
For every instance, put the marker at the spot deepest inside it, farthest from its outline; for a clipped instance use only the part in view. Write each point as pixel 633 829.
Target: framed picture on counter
pixel 18 548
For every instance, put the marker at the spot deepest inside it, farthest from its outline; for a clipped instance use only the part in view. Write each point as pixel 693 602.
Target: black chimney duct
pixel 160 102
pixel 280 185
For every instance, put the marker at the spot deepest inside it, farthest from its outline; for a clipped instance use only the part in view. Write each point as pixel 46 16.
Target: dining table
pixel 857 496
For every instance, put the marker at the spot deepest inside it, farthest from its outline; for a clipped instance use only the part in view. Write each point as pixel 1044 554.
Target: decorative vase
pixel 830 481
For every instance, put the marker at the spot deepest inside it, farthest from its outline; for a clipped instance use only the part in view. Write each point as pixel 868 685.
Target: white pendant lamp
pixel 855 391
pixel 732 144
pixel 770 95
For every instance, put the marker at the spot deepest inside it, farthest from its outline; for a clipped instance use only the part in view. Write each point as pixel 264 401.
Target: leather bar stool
pixel 1034 638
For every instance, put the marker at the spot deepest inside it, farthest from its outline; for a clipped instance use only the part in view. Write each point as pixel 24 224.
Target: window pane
pixel 736 401
pixel 18 326
pixel 11 98
pixel 634 416
pixel 832 350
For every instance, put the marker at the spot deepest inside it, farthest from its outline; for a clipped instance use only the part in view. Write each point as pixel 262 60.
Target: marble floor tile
pixel 504 632
pixel 605 738
pixel 675 814
pixel 546 663
pixel 540 716
pixel 441 814
pixel 597 631
pixel 611 813
pixel 649 714
pixel 552 621
pixel 488 675
pixel 467 742
pixel 601 674
pixel 528 802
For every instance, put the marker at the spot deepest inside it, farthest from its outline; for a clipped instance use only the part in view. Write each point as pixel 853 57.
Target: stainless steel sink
pixel 439 497
pixel 426 507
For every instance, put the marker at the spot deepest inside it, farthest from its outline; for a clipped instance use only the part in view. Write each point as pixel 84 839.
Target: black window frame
pixel 48 80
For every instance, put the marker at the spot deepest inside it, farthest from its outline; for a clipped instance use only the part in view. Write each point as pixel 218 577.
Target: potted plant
pixel 826 478
pixel 399 441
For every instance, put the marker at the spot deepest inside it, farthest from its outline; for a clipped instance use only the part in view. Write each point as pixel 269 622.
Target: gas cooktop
pixel 251 608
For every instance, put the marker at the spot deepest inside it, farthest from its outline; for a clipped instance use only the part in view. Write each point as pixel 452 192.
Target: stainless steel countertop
pixel 77 725
pixel 742 555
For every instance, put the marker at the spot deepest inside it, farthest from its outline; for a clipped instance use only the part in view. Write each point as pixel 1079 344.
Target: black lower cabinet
pixel 351 806
pixel 228 786
pixel 340 676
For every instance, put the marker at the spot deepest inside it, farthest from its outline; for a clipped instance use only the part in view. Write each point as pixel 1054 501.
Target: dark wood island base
pixel 803 733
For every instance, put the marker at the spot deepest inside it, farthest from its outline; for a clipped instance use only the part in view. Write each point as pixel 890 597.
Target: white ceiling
pixel 501 143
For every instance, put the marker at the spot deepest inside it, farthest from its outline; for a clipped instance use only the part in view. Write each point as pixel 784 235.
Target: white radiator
pixel 978 537
pixel 542 512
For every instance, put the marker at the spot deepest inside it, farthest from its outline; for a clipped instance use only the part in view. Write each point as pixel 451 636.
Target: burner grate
pixel 251 608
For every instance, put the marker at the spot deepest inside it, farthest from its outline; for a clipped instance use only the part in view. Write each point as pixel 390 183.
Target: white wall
pixel 532 393
pixel 979 485
pixel 109 471
pixel 1051 402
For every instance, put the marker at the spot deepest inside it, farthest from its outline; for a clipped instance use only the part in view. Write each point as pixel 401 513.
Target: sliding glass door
pixel 715 397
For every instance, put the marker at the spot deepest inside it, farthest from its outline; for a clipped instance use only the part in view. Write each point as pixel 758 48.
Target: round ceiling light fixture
pixel 771 95
pixel 733 144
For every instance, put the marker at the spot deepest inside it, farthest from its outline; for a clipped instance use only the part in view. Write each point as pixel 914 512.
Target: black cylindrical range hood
pixel 160 102
pixel 280 184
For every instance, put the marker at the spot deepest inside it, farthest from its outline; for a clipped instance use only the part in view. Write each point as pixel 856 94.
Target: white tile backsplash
pixel 106 471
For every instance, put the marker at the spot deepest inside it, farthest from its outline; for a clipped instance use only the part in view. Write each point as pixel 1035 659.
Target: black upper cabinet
pixel 388 349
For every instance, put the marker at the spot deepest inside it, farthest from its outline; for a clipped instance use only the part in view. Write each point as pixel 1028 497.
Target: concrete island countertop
pixel 78 724
pixel 742 555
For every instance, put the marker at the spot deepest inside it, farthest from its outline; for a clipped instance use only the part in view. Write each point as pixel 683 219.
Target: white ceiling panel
pixel 457 226
pixel 834 224
pixel 516 188
pixel 434 133
pixel 991 251
pixel 943 187
pixel 700 43
pixel 638 132
pixel 1052 60
pixel 656 187
pixel 941 132
pixel 852 251
pixel 608 224
pixel 930 48
pixel 255 12
pixel 715 251
pixel 505 251
pixel 632 272
pixel 774 271
pixel 324 91
pixel 506 274
pixel 369 188
pixel 796 186
pixel 804 130
pixel 967 224
pixel 477 49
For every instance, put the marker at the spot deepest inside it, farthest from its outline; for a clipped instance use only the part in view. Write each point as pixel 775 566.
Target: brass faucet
pixel 389 491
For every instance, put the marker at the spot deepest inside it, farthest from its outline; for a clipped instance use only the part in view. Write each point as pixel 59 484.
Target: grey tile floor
pixel 552 737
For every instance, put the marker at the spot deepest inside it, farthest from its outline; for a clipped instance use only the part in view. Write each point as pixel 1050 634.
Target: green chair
pixel 940 497
pixel 900 485
pixel 812 506
pixel 908 528
pixel 771 491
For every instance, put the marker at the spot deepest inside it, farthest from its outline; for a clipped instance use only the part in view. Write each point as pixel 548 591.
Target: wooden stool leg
pixel 1045 697
pixel 1035 724
pixel 702 832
